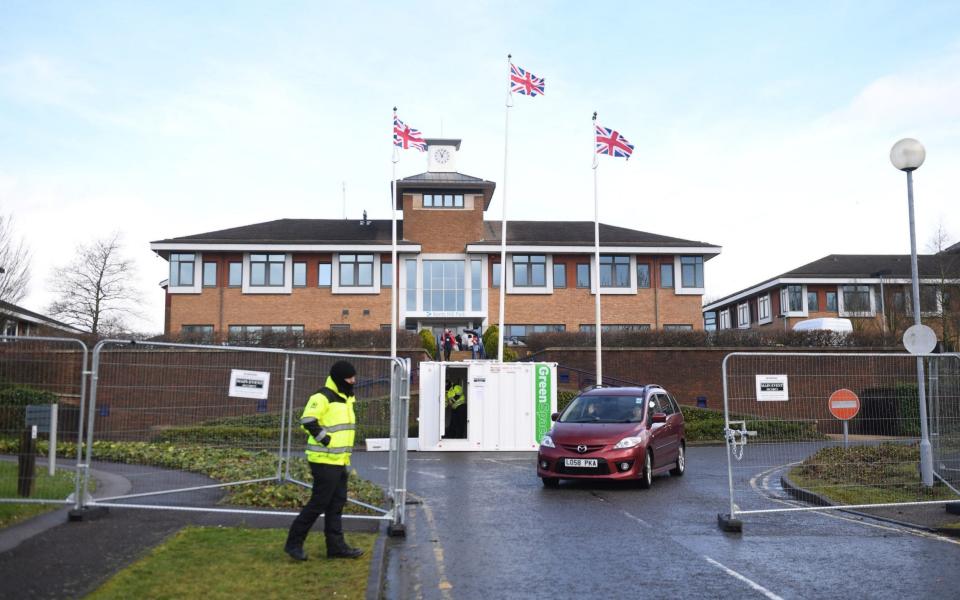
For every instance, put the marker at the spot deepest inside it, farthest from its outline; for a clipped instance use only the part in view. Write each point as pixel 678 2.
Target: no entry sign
pixel 844 404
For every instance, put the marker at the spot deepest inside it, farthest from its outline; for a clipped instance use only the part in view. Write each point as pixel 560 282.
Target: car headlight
pixel 628 442
pixel 547 442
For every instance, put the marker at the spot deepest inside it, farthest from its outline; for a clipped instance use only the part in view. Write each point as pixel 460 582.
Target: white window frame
pixel 723 319
pixel 678 288
pixel 287 286
pixel 197 286
pixel 547 288
pixel 335 286
pixel 785 303
pixel 611 291
pixel 926 313
pixel 841 309
pixel 762 301
pixel 743 323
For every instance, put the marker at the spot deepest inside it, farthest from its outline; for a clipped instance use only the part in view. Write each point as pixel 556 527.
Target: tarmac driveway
pixel 487 528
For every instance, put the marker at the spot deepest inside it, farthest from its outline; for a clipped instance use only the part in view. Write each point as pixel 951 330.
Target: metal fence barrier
pixel 194 427
pixel 42 403
pixel 837 430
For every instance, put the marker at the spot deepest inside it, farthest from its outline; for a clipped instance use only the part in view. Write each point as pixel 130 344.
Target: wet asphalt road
pixel 487 528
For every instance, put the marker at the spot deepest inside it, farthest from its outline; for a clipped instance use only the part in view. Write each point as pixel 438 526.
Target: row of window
pixel 856 300
pixel 514 332
pixel 443 200
pixel 356 270
pixel 530 271
pixel 268 270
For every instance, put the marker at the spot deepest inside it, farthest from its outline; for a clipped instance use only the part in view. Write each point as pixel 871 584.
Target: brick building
pixel 296 275
pixel 18 321
pixel 873 291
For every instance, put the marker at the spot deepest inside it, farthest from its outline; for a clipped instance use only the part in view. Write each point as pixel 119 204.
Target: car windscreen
pixel 603 409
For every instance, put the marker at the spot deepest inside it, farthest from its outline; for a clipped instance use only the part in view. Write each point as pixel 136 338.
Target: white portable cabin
pixel 508 405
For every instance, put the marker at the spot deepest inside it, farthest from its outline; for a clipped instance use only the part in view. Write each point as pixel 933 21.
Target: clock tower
pixel 442 155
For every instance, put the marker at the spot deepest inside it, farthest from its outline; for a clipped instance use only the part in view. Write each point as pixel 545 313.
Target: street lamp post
pixel 907 155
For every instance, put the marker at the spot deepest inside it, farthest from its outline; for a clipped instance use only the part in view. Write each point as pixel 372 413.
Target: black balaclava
pixel 339 372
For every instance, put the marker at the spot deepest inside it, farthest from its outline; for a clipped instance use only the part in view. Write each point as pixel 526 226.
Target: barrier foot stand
pixel 88 513
pixel 729 524
pixel 953 508
pixel 397 530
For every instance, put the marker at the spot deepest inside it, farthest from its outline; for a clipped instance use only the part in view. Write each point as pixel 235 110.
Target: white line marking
pixel 736 575
pixel 635 518
pixel 833 515
pixel 429 474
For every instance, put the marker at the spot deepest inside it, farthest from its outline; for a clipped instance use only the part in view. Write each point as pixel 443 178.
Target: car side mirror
pixel 555 416
pixel 659 418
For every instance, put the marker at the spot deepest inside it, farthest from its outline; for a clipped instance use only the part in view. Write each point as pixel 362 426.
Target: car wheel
pixel 681 466
pixel 646 476
pixel 550 482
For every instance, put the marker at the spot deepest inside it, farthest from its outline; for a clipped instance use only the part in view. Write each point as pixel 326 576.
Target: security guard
pixel 455 396
pixel 456 402
pixel 330 422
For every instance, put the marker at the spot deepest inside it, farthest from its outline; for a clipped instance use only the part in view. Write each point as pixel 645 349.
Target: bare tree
pixel 14 263
pixel 947 267
pixel 94 292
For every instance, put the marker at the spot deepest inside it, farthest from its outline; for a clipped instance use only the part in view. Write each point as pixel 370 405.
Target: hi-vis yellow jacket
pixel 336 419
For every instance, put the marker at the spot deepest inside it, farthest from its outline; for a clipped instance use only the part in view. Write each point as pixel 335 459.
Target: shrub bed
pixel 885 472
pixel 222 464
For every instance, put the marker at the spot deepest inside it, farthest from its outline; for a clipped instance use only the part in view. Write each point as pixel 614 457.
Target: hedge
pixel 711 339
pixel 221 464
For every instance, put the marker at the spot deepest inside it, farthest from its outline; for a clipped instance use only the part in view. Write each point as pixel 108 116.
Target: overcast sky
pixel 762 127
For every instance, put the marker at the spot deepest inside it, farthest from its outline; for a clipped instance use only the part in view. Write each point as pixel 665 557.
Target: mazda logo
pixel 581 449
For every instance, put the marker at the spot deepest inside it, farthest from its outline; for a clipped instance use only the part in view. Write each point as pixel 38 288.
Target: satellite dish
pixel 919 339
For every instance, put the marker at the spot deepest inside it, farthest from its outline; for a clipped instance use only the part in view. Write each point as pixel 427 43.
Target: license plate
pixel 580 462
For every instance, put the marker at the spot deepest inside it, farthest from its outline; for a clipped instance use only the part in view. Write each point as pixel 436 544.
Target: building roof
pixel 954 249
pixel 300 231
pixel 18 312
pixel 431 181
pixel 864 268
pixel 578 233
pixel 378 231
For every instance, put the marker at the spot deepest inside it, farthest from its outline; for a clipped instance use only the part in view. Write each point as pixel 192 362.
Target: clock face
pixel 441 156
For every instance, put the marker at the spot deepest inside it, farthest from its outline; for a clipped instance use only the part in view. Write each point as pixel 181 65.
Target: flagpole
pixel 393 251
pixel 503 218
pixel 596 253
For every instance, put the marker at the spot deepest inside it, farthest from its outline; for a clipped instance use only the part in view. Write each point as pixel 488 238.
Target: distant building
pixel 296 275
pixel 18 321
pixel 874 291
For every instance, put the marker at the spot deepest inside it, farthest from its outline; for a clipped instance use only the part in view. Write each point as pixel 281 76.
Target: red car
pixel 630 433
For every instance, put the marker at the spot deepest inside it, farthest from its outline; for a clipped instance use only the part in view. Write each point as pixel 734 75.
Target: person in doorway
pixel 456 402
pixel 447 344
pixel 330 423
pixel 474 346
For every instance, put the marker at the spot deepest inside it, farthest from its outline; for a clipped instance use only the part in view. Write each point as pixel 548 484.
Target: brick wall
pixel 573 306
pixel 692 372
pixel 442 230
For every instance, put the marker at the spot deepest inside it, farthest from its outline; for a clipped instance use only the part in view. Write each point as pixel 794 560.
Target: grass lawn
pixel 57 487
pixel 232 563
pixel 867 475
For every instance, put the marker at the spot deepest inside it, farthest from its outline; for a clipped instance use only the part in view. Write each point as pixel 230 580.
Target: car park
pixel 629 433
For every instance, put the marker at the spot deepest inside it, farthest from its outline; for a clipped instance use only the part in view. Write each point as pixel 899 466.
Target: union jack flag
pixel 525 82
pixel 407 137
pixel 611 143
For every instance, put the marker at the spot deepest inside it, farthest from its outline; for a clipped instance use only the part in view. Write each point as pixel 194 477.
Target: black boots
pixel 337 548
pixel 295 552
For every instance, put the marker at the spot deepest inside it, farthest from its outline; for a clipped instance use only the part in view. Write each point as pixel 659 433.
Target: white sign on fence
pixel 772 387
pixel 249 384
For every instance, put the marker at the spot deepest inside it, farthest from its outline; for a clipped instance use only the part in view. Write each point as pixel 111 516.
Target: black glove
pixel 326 440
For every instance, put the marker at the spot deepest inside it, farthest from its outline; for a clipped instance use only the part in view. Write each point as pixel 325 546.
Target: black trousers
pixel 328 497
